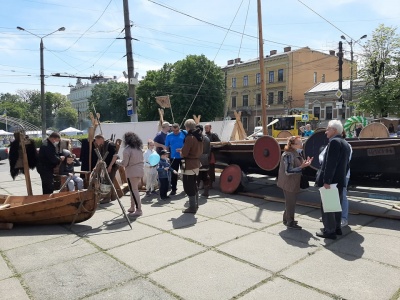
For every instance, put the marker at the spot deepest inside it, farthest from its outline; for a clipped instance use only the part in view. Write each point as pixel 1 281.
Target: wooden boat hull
pixel 57 208
pixel 372 158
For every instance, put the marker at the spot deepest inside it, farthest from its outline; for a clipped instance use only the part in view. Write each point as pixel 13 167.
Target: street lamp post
pixel 351 42
pixel 42 101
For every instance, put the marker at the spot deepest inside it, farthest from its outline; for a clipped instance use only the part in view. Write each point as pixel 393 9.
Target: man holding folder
pixel 333 170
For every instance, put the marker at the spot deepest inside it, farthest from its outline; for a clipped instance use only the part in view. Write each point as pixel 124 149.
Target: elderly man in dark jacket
pixel 191 152
pixel 334 168
pixel 48 159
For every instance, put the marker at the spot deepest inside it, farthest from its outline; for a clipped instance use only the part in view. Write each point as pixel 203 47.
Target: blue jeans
pixel 345 202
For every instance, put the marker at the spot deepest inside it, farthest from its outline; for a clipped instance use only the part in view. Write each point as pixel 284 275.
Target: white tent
pixel 71 131
pixel 3 132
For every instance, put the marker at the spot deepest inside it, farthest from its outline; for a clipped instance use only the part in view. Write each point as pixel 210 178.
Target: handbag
pixel 304 182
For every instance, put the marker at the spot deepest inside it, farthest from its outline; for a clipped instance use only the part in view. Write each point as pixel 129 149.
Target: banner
pixel 163 101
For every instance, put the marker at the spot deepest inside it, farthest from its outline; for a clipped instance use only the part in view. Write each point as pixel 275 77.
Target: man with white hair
pixel 334 168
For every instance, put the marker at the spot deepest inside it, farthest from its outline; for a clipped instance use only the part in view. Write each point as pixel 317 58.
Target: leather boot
pixel 206 190
pixel 192 209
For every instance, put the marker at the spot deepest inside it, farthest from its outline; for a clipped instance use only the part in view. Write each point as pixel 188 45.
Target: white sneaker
pixel 344 223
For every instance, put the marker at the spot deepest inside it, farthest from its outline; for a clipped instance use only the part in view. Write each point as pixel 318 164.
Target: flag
pixel 163 101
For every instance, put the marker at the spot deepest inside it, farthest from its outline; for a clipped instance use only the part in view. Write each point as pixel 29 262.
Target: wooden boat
pixel 56 208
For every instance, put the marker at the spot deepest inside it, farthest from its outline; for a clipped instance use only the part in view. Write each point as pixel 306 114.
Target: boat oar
pixel 269 124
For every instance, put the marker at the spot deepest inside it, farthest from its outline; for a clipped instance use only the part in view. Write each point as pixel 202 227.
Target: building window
pixel 280 97
pixel 270 98
pixel 317 112
pixel 315 77
pixel 257 121
pixel 328 113
pixel 258 78
pixel 280 75
pixel 245 122
pixel 233 101
pixel 258 99
pixel 271 76
pixel 245 100
pixel 234 82
pixel 245 80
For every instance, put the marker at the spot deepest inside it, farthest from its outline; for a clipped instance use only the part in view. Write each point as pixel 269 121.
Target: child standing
pixel 67 168
pixel 150 172
pixel 164 169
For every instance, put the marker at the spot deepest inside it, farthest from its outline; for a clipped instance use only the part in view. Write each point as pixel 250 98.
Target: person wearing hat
pixel 159 140
pixel 67 169
pixel 173 142
pixel 164 170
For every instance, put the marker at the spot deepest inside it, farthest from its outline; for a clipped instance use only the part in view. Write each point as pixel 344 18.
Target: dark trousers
pixel 47 181
pixel 211 172
pixel 175 164
pixel 332 220
pixel 111 195
pixel 190 184
pixel 290 206
pixel 164 182
pixel 203 176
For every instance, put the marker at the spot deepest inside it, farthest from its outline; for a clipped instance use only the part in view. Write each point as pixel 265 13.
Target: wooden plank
pixel 25 162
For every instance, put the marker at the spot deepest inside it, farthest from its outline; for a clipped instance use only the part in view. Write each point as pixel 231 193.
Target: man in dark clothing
pixel 48 159
pixel 112 155
pixel 191 152
pixel 205 162
pixel 333 170
pixel 213 137
pixel 159 140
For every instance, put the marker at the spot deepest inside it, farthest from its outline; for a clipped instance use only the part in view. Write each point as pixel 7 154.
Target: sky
pixel 166 31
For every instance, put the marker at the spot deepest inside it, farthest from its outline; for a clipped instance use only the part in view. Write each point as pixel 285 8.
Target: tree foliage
pixel 195 84
pixel 109 99
pixel 66 116
pixel 381 72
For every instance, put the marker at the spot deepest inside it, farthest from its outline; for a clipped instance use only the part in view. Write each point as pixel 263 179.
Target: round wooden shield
pixel 284 134
pixel 267 153
pixel 232 179
pixel 374 130
pixel 314 145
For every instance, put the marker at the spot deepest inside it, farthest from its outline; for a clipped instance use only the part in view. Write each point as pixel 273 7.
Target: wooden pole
pixel 262 73
pixel 25 163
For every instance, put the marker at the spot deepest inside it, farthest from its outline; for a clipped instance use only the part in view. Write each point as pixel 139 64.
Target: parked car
pixel 76 146
pixel 4 153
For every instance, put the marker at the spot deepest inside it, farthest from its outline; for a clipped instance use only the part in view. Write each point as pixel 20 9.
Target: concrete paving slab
pixel 390 227
pixel 5 272
pixel 48 253
pixel 346 276
pixel 215 209
pixel 280 207
pixel 282 289
pixel 241 200
pixel 137 289
pixel 26 235
pixel 171 220
pixel 267 250
pixel 11 289
pixel 155 252
pixel 209 275
pixel 212 232
pixel 77 278
pixel 305 236
pixel 100 220
pixel 115 236
pixel 378 245
pixel 254 217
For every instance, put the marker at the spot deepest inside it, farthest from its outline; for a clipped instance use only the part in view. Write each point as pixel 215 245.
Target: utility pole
pixel 340 55
pixel 132 81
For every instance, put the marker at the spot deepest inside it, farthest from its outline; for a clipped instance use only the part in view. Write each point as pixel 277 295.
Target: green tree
pixel 109 100
pixel 195 84
pixel 66 116
pixel 381 68
pixel 156 83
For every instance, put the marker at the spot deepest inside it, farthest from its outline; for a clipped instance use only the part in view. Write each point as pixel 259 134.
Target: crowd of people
pixel 185 151
pixel 188 151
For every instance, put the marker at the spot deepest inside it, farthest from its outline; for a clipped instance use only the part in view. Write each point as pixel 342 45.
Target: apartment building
pixel 288 76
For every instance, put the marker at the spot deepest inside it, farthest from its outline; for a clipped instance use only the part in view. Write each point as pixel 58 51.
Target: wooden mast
pixel 262 73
